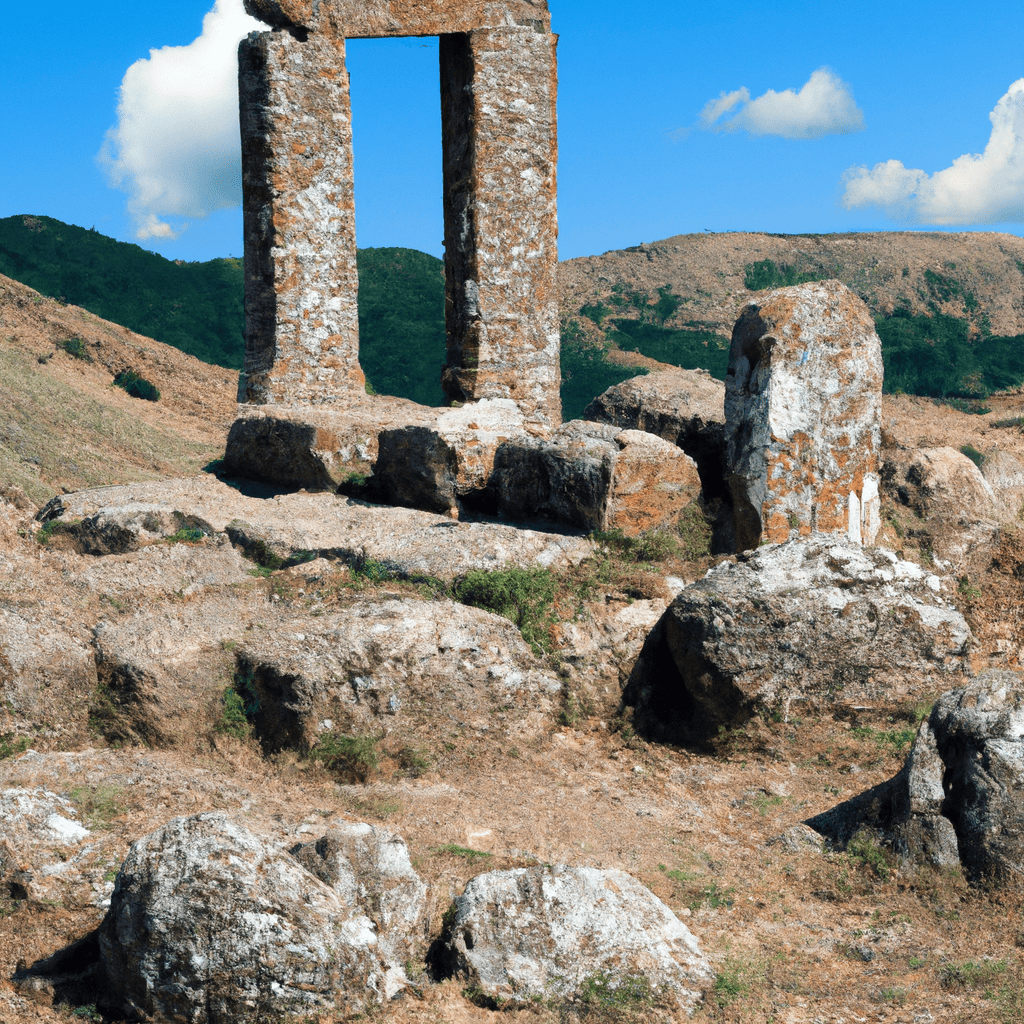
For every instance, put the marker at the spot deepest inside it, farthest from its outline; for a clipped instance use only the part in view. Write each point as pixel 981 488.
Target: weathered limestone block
pixel 208 922
pixel 449 461
pixel 595 477
pixel 498 90
pixel 379 18
pixel 384 662
pixel 685 407
pixel 805 624
pixel 539 933
pixel 802 406
pixel 959 798
pixel 301 283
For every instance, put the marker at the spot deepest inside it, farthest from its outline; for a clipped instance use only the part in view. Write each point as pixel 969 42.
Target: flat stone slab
pixel 294 525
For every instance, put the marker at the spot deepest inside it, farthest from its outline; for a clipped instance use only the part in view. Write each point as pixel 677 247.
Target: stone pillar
pixel 301 284
pixel 803 401
pixel 498 90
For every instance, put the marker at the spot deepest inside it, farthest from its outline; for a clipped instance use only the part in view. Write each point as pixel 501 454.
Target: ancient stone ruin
pixel 803 399
pixel 498 85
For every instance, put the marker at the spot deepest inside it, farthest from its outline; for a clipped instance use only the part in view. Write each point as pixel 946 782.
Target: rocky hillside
pixel 283 756
pixel 974 275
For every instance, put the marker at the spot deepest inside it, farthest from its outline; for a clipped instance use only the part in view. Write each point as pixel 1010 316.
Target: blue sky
pixel 901 116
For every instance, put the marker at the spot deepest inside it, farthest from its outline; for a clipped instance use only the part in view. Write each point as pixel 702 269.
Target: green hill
pixel 196 307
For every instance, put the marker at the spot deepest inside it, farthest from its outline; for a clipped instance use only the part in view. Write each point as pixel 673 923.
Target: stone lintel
pixel 301 283
pixel 377 19
pixel 498 92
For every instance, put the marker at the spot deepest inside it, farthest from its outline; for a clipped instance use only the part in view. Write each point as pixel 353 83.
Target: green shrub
pixel 233 720
pixel 75 347
pixel 864 850
pixel 586 371
pixel 136 386
pixel 973 454
pixel 524 596
pixel 11 745
pixel 653 546
pixel 768 274
pixel 352 758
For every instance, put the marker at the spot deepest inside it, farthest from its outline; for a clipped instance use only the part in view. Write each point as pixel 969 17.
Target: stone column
pixel 301 284
pixel 498 89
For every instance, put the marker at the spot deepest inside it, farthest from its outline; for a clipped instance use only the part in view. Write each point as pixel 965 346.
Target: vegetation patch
pixel 586 370
pixel 462 852
pixel 524 596
pixel 98 805
pixel 769 274
pixel 351 758
pixel 137 386
pixel 76 348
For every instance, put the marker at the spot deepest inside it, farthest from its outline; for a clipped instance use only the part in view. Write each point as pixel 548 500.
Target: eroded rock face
pixel 813 622
pixel 210 923
pixel 1005 475
pixel 545 932
pixel 802 406
pixel 594 476
pixel 959 799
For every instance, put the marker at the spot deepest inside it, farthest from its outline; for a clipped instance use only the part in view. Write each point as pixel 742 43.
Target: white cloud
pixel 175 148
pixel 977 189
pixel 824 106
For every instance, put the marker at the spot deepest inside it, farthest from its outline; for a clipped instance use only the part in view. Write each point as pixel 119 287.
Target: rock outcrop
pixel 806 624
pixel 802 406
pixel 556 932
pixel 684 407
pixel 959 798
pixel 947 491
pixel 594 476
pixel 210 923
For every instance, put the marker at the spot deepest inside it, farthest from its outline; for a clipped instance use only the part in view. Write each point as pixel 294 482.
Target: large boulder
pixel 948 493
pixel 815 622
pixel 369 867
pixel 555 932
pixel 803 399
pixel 209 923
pixel 959 798
pixel 381 662
pixel 594 476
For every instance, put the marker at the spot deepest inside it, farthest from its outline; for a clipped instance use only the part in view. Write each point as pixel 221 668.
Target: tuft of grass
pixel 653 546
pixel 352 758
pixel 98 805
pixel 414 762
pixel 694 532
pixel 865 850
pixel 11 745
pixel 607 990
pixel 973 454
pixel 972 974
pixel 137 386
pixel 524 596
pixel 464 852
pixel 187 535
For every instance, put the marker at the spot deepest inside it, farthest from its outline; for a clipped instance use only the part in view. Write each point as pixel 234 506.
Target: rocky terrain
pixel 885 268
pixel 301 711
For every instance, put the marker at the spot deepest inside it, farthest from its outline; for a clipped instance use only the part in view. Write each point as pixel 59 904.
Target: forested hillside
pixel 949 308
pixel 196 307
